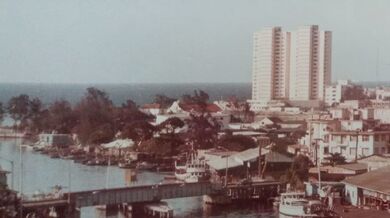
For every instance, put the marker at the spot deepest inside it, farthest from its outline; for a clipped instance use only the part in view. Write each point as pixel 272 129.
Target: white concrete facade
pixel 291 65
pixel 311 68
pixel 270 64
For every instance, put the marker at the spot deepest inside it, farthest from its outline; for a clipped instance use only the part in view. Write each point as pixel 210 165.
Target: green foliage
pixel 18 108
pixel 199 98
pixel 62 117
pixel 298 173
pixel 202 131
pixel 336 158
pixel 163 146
pixel 354 93
pixel 94 111
pixel 236 142
pixel 102 134
pixel 128 113
pixel 138 131
pixel 170 125
pixel 280 144
pixel 164 100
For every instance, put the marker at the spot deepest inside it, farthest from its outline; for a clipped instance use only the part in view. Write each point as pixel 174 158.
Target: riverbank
pixel 40 172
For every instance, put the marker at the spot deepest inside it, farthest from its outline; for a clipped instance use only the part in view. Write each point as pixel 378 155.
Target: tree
pixel 202 131
pixel 248 114
pixel 236 142
pixel 163 100
pixel 36 115
pixel 161 146
pixel 103 134
pixel 138 131
pixel 95 111
pixel 170 125
pixel 200 98
pixel 354 93
pixel 128 113
pixel 298 172
pixel 336 158
pixel 18 108
pixel 62 118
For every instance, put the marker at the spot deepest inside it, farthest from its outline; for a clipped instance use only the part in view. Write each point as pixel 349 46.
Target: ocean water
pixel 119 93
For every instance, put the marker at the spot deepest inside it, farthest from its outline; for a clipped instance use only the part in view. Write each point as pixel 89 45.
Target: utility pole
pixel 226 170
pixel 357 144
pixel 260 167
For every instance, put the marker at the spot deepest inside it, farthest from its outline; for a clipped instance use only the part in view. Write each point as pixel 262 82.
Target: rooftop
pixel 376 180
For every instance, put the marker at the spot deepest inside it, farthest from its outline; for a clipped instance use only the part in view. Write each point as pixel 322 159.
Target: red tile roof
pixel 151 106
pixel 211 108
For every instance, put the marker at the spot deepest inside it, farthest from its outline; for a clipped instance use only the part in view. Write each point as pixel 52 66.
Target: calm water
pixel 119 93
pixel 41 173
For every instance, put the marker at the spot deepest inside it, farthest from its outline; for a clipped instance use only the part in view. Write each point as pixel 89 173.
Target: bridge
pixel 70 203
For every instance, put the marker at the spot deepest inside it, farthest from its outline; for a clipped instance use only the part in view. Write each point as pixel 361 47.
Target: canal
pixel 40 173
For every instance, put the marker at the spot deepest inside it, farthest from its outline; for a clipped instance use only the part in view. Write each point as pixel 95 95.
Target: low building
pixel 369 189
pixel 55 139
pixel 346 142
pixel 375 161
pixel 334 93
pixel 339 172
pixel 153 109
pixel 382 93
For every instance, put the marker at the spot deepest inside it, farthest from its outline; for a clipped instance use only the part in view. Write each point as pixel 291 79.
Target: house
pixel 375 161
pixel 55 139
pixel 236 163
pixel 369 189
pixel 184 110
pixel 297 149
pixel 153 109
pixel 277 162
pixel 270 121
pixel 338 172
pixel 348 143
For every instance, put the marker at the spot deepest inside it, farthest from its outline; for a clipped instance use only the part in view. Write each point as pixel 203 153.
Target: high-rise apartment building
pixel 270 64
pixel 292 66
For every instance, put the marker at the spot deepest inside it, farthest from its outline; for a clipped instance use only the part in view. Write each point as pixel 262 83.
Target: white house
pixel 153 109
pixel 371 188
pixel 345 143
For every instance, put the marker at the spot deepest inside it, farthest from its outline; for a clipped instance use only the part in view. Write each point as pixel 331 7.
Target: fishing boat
pixel 193 170
pixel 294 204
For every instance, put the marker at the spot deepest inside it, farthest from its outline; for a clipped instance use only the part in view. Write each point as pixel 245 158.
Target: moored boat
pixel 294 204
pixel 193 170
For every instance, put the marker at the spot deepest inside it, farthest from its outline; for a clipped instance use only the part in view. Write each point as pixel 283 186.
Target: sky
pixel 178 41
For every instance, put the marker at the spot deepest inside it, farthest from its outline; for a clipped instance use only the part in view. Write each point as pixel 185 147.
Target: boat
pixel 294 204
pixel 165 168
pixel 158 210
pixel 146 166
pixel 193 170
pixel 38 148
pixel 127 165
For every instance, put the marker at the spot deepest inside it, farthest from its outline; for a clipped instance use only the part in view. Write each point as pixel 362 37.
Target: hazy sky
pixel 136 41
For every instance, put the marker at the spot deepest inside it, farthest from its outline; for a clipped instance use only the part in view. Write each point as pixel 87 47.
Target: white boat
pixel 160 210
pixel 294 204
pixel 193 170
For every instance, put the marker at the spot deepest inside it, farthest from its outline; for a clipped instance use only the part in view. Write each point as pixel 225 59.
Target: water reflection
pixel 41 172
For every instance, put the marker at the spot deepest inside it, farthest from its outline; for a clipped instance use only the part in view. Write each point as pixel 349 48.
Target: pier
pixel 69 204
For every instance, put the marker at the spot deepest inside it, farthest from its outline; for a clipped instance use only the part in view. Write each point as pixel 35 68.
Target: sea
pixel 140 93
pixel 119 93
